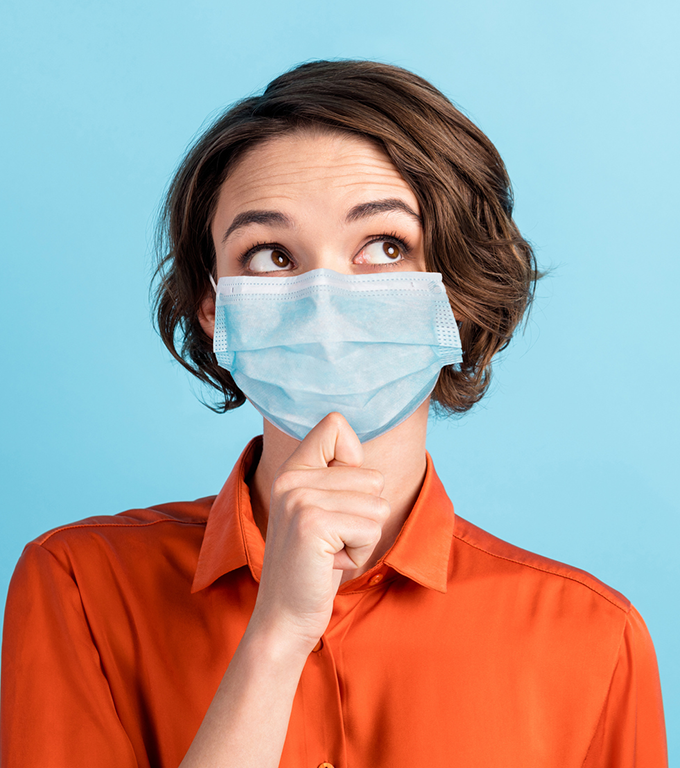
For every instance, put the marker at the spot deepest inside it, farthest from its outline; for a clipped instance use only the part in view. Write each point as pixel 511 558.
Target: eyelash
pixel 400 242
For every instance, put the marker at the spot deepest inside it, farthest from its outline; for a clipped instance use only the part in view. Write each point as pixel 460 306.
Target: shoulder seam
pixel 49 535
pixel 546 570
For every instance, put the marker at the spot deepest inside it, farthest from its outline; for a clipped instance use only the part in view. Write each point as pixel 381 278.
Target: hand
pixel 325 516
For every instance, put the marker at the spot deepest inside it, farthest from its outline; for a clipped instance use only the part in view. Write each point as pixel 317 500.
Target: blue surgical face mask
pixel 369 346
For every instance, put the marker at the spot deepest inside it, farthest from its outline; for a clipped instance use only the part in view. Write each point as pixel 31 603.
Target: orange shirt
pixel 455 649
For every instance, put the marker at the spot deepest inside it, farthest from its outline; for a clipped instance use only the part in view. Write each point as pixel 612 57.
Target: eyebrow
pixel 391 205
pixel 361 211
pixel 268 218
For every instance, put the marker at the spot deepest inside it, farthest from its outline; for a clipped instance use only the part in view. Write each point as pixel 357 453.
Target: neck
pixel 398 454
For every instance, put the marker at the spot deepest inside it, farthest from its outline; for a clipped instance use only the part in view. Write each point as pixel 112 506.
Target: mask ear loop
pixel 212 280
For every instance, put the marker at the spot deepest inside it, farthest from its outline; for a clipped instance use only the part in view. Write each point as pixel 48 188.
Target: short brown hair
pixel 454 170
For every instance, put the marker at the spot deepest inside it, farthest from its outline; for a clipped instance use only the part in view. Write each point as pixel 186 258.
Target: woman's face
pixel 309 200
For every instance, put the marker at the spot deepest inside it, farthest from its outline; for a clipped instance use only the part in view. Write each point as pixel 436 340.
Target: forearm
pixel 247 721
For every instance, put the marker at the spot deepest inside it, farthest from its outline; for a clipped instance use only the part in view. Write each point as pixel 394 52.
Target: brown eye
pixel 270 260
pixel 280 259
pixel 380 252
pixel 391 250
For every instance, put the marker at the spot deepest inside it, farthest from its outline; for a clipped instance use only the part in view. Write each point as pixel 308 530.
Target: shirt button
pixel 326 765
pixel 316 649
pixel 376 579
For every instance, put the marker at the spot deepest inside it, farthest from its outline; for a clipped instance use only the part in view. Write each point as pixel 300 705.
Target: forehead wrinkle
pixel 282 185
pixel 355 174
pixel 274 176
pixel 265 165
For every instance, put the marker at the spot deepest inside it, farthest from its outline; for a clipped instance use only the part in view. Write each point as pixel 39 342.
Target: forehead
pixel 312 163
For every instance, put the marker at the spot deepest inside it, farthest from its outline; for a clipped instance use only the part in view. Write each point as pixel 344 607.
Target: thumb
pixel 332 442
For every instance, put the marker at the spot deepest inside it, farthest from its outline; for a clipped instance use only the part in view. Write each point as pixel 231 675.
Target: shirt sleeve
pixel 57 709
pixel 631 732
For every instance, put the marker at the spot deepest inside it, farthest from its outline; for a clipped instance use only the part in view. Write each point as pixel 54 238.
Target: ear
pixel 206 314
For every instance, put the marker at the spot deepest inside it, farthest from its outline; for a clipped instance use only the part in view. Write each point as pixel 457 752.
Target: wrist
pixel 276 643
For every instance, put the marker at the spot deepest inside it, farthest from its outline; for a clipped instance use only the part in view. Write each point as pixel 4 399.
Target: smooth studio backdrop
pixel 573 454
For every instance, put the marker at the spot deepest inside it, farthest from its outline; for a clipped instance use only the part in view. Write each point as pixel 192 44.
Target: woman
pixel 330 247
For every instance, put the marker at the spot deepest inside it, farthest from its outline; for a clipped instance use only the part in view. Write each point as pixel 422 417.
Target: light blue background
pixel 573 454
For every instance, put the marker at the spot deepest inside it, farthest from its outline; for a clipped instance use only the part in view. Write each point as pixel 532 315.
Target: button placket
pixel 318 701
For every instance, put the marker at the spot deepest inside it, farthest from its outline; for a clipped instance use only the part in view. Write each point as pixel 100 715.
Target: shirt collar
pixel 232 539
